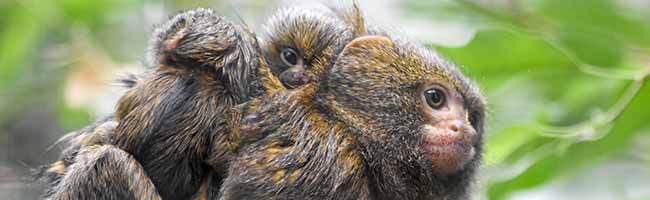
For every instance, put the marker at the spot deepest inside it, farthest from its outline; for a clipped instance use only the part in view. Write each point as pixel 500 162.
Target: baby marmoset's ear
pixel 201 40
pixel 201 44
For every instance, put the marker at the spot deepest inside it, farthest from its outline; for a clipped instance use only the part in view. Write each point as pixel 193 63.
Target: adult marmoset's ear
pixel 370 46
pixel 364 53
pixel 363 64
pixel 366 50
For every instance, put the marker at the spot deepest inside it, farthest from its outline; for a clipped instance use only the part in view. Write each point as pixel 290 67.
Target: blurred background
pixel 566 81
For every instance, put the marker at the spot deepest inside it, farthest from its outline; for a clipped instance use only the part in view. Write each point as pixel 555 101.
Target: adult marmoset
pixel 390 120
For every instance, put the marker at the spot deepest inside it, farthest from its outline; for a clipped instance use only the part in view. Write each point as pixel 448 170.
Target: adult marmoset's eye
pixel 289 57
pixel 435 97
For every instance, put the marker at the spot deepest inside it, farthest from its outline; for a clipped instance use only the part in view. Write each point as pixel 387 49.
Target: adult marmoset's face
pixel 407 104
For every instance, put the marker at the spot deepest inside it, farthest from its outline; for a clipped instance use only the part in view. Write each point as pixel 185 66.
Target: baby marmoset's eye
pixel 435 97
pixel 290 57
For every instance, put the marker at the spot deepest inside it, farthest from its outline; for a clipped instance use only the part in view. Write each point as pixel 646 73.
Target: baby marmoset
pixel 193 73
pixel 170 124
pixel 298 42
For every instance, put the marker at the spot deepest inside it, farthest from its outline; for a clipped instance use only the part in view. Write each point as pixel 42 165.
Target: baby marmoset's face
pixel 299 42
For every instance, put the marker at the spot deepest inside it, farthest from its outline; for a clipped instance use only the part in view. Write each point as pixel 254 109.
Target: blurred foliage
pixel 566 81
pixel 29 27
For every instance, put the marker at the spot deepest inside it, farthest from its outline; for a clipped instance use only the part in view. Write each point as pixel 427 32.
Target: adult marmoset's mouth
pixel 448 150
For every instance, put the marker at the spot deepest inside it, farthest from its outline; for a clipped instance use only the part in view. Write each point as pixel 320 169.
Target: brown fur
pixel 177 123
pixel 356 134
pixel 169 128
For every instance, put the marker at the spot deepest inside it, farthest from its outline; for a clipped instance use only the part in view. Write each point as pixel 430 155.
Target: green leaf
pixel 494 56
pixel 17 39
pixel 600 20
pixel 73 118
pixel 581 154
pixel 503 143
